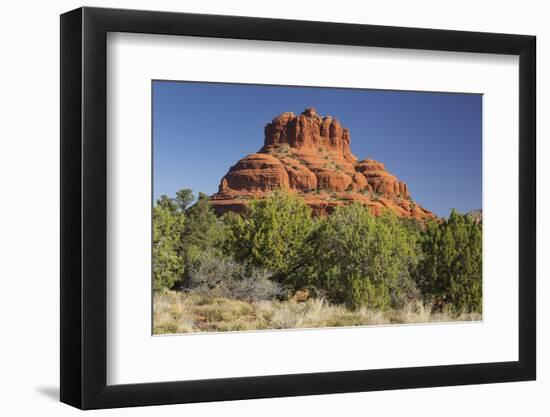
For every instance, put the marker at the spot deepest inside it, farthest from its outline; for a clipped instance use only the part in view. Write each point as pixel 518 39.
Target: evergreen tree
pixel 168 265
pixel 360 260
pixel 450 272
pixel 167 203
pixel 203 234
pixel 184 198
pixel 272 233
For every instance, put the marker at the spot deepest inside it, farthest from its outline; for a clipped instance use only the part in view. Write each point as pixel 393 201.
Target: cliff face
pixel 310 155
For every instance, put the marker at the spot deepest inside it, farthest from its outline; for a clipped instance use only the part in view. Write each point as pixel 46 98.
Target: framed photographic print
pixel 258 208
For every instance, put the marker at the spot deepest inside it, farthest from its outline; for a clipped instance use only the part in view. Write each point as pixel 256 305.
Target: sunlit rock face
pixel 310 155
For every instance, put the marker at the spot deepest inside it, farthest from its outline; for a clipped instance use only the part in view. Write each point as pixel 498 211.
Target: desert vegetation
pixel 277 266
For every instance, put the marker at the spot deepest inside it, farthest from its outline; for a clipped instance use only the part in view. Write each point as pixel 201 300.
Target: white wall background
pixel 29 213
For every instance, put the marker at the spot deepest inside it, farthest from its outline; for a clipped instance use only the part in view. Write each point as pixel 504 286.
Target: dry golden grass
pixel 178 312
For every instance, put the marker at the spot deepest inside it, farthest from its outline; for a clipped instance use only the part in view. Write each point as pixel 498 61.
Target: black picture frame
pixel 84 207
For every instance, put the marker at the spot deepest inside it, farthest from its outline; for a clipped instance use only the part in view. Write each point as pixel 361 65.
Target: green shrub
pixel 203 232
pixel 360 260
pixel 182 230
pixel 349 257
pixel 272 233
pixel 450 271
pixel 168 265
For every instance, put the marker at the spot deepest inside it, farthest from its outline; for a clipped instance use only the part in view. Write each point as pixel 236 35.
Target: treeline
pixel 350 257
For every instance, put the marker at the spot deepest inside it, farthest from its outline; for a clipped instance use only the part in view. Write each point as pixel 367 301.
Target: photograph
pixel 296 207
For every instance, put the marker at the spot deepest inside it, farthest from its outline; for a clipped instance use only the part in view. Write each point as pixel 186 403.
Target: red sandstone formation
pixel 310 155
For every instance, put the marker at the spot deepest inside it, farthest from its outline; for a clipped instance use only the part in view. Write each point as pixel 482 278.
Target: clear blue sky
pixel 432 141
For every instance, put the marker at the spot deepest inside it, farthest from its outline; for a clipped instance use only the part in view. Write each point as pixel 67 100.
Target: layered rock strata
pixel 310 155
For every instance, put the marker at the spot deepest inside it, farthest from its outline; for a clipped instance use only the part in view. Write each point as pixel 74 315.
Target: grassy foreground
pixel 180 312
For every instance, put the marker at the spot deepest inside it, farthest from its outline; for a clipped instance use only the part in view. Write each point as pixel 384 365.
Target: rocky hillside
pixel 310 155
pixel 477 215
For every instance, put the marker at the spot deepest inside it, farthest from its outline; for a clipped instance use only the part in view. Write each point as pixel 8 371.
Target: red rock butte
pixel 310 155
